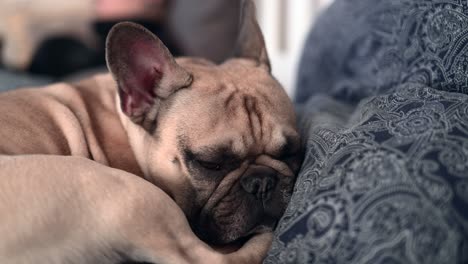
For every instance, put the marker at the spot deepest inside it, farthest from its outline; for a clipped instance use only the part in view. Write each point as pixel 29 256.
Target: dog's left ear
pixel 250 43
pixel 144 70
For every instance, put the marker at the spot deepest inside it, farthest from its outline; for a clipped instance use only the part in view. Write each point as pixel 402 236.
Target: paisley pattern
pixel 388 186
pixel 361 48
pixel 385 125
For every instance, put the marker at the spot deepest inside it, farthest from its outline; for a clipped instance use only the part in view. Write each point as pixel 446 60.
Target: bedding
pixel 383 95
pixel 10 80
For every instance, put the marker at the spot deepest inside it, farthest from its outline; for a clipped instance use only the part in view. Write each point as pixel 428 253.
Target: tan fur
pixel 99 213
pixel 215 124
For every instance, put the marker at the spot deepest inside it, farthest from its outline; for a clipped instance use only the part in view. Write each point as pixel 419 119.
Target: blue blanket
pixel 384 117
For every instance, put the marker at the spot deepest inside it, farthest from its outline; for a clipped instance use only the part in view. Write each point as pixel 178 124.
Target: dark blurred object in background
pixel 204 28
pixel 62 56
pixel 59 56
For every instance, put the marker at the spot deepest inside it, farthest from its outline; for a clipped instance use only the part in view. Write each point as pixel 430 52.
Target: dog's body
pixel 219 140
pixel 67 119
pixel 58 209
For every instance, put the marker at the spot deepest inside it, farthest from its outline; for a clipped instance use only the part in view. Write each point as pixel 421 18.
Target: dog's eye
pixel 210 165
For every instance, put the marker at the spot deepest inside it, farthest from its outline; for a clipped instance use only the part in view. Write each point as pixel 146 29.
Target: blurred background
pixel 285 24
pixel 43 41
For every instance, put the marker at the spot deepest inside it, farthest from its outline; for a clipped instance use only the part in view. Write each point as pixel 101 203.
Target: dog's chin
pixel 214 233
pixel 223 226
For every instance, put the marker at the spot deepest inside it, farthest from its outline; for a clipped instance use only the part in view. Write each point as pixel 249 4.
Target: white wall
pixel 285 24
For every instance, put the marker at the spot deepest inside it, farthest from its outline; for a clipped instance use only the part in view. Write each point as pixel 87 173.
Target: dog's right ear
pixel 144 70
pixel 250 43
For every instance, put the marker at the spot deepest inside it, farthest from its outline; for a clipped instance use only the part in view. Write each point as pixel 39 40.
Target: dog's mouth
pixel 212 233
pixel 234 218
pixel 248 204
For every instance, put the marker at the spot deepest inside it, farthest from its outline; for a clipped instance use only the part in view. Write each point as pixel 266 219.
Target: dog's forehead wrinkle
pixel 237 76
pixel 210 149
pixel 230 99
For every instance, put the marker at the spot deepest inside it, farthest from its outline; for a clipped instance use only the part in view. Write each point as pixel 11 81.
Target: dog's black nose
pixel 259 181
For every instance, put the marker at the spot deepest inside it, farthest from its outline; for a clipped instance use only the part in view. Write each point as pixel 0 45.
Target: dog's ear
pixel 144 70
pixel 250 43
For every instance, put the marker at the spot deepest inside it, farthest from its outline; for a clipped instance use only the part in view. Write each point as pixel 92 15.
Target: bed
pixel 382 96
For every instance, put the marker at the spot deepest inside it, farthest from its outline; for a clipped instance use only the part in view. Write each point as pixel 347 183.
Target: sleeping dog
pixel 216 147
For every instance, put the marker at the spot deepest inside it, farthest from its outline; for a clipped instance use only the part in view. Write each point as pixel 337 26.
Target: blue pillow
pixel 361 48
pixel 387 184
pixel 384 116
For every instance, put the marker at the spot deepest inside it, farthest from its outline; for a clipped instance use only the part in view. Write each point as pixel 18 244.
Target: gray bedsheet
pixel 386 184
pixel 10 80
pixel 384 120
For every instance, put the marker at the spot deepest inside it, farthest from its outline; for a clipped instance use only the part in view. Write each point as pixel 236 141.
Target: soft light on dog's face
pixel 221 139
pixel 232 134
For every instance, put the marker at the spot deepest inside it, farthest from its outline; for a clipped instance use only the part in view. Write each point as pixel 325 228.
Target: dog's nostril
pixel 269 183
pixel 259 185
pixel 250 184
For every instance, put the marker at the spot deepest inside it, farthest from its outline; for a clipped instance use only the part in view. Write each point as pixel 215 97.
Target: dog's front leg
pixel 159 232
pixel 72 210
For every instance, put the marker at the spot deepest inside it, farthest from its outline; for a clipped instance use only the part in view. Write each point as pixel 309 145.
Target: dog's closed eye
pixel 213 159
pixel 216 166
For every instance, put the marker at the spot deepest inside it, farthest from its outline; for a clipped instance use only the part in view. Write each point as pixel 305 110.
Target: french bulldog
pixel 216 147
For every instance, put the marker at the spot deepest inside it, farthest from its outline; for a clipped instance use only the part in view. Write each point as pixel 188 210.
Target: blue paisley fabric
pixel 360 48
pixel 385 125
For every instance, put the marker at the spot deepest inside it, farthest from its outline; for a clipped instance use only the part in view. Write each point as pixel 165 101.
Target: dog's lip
pixel 257 228
pixel 266 225
pixel 210 204
pixel 266 222
pixel 277 165
pixel 202 213
pixel 262 225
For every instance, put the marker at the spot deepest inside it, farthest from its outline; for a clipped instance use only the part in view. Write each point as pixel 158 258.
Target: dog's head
pixel 221 140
